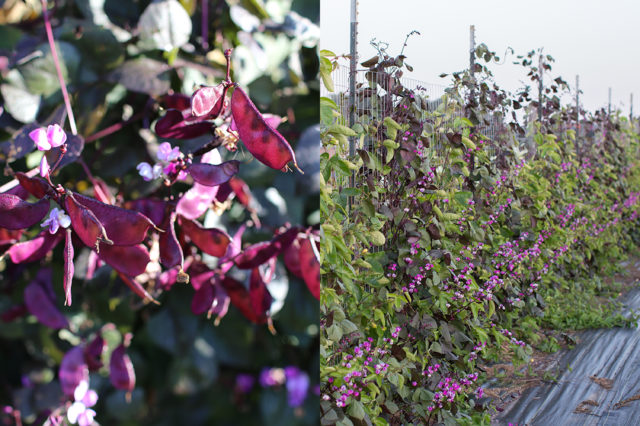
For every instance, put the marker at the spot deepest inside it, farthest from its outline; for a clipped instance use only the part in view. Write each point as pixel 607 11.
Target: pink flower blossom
pixel 51 137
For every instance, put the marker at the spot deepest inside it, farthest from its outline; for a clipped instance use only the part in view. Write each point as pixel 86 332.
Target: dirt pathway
pixel 600 384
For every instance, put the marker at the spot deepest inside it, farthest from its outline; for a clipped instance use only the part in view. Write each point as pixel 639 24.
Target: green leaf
pixel 40 74
pixel 164 25
pixel 377 238
pixel 356 410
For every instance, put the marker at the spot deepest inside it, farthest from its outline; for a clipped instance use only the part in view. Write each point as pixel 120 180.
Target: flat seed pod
pixel 68 267
pixel 292 258
pixel 93 353
pixel 16 213
pixel 41 303
pixel 130 260
pixel 208 102
pixel 310 266
pixel 264 142
pixel 121 372
pixel 203 298
pixel 170 250
pixel 212 241
pixel 73 370
pixel 259 253
pixel 36 249
pixel 85 223
pixel 244 301
pixel 123 227
pixel 213 174
pixel 174 125
pixel 137 288
pixel 36 186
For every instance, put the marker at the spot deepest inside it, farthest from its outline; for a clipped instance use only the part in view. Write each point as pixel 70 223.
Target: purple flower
pixel 297 385
pixel 149 172
pixel 166 153
pixel 44 167
pixel 79 412
pixel 57 218
pixel 48 138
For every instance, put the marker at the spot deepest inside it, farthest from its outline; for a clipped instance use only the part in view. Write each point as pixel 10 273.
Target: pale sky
pixel 599 40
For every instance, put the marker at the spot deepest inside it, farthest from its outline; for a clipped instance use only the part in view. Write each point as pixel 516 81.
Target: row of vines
pixel 487 242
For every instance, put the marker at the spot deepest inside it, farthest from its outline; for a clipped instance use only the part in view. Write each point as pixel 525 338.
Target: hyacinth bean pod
pixel 16 213
pixel 203 298
pixel 36 186
pixel 170 250
pixel 213 174
pixel 124 227
pixel 259 295
pixel 176 126
pixel 35 249
pixel 68 267
pixel 121 372
pixel 93 353
pixel 137 288
pixel 73 370
pixel 263 142
pixel 310 265
pixel 259 253
pixel 208 102
pixel 85 223
pixel 291 257
pixel 39 299
pixel 244 301
pixel 130 260
pixel 211 241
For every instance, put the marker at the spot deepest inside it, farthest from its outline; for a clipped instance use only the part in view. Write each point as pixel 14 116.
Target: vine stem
pixel 56 61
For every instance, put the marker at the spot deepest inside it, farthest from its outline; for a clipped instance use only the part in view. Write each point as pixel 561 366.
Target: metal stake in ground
pixel 352 86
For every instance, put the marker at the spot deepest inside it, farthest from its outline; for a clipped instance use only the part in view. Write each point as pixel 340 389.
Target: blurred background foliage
pixel 119 58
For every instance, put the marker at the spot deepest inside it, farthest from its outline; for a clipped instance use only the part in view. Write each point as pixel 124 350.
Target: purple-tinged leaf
pixel 264 142
pixel 18 214
pixel 259 253
pixel 208 102
pixel 36 186
pixel 36 249
pixel 74 145
pixel 40 301
pixel 170 250
pixel 212 241
pixel 213 174
pixel 130 260
pixel 310 265
pixel 19 146
pixel 174 125
pixel 68 267
pixel 85 223
pixel 121 372
pixel 123 227
pixel 93 353
pixel 137 288
pixel 73 370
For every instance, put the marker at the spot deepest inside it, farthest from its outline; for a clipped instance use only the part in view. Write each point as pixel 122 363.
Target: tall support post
pixel 352 86
pixel 472 59
pixel 630 107
pixel 609 108
pixel 578 114
pixel 540 87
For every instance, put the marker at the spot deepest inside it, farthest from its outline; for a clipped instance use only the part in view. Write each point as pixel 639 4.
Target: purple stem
pixel 205 24
pixel 56 61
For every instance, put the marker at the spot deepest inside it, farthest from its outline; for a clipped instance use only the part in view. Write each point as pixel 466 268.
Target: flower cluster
pixel 167 157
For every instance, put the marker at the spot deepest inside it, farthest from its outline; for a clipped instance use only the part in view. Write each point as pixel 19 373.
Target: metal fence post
pixel 472 59
pixel 609 109
pixel 631 107
pixel 577 111
pixel 352 86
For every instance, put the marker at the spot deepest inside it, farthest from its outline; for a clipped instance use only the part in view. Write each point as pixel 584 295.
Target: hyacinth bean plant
pixel 485 240
pixel 189 225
